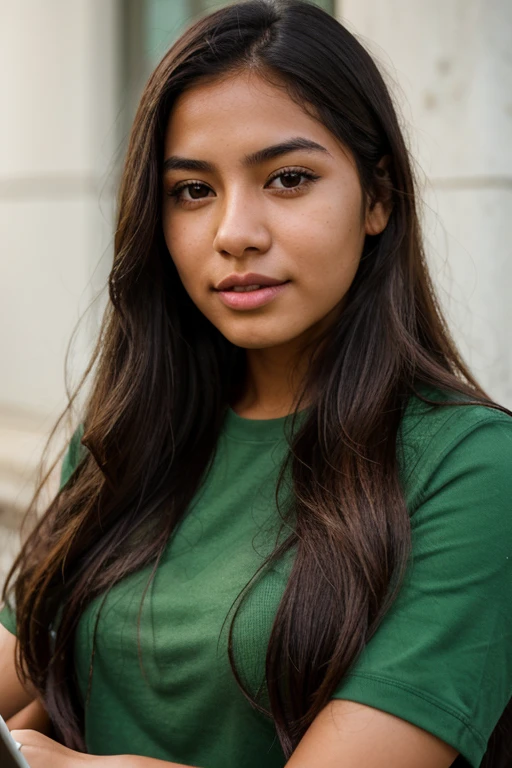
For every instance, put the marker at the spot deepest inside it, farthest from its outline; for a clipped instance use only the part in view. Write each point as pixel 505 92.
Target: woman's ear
pixel 379 208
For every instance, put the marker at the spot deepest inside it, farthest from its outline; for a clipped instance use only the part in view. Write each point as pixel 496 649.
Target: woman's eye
pixel 195 191
pixel 291 181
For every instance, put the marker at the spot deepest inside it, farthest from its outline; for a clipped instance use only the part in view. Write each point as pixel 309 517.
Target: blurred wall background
pixel 71 72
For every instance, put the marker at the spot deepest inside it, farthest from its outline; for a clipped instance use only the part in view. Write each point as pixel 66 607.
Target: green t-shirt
pixel 441 659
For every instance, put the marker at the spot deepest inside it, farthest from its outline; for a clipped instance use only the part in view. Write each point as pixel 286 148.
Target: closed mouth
pixel 247 288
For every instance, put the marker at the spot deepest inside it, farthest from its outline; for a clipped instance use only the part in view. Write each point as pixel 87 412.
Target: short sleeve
pixel 8 618
pixel 72 457
pixel 442 657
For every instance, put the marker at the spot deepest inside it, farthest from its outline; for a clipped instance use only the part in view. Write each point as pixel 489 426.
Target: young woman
pixel 283 535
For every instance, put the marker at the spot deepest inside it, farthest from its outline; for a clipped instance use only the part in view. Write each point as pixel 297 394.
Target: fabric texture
pixel 441 659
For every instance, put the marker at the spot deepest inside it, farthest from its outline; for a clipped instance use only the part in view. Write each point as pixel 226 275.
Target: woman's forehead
pixel 242 110
pixel 244 97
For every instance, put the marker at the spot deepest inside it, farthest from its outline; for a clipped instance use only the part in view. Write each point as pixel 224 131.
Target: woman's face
pixel 237 214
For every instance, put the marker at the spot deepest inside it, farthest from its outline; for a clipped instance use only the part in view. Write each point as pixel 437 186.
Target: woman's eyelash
pixel 301 172
pixel 294 172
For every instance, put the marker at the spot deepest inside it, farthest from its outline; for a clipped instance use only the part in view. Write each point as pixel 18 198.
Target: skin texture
pixel 34 717
pixel 243 223
pixel 350 735
pixel 240 220
pixel 14 695
pixel 42 752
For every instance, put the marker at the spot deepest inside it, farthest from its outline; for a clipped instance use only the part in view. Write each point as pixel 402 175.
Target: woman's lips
pixel 251 299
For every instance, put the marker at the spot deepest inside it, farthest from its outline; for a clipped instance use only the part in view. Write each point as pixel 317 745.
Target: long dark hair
pixel 351 529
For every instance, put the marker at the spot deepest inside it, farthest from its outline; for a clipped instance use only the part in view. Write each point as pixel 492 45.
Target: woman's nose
pixel 241 226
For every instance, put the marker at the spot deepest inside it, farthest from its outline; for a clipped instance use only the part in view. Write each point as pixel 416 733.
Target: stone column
pixel 59 92
pixel 449 63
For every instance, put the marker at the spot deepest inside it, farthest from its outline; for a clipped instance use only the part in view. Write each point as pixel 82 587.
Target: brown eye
pixel 197 191
pixel 290 179
pixel 193 190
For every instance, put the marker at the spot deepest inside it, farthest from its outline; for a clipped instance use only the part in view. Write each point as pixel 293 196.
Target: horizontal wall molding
pixel 76 186
pixel 54 187
pixel 472 182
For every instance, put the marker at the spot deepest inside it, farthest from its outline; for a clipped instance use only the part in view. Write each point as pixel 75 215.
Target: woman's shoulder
pixel 435 436
pixel 423 418
pixel 442 656
pixel 75 452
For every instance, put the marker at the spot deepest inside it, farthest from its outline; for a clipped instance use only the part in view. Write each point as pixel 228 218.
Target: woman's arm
pixel 34 717
pixel 350 735
pixel 42 752
pixel 14 695
pixel 357 736
pixel 343 735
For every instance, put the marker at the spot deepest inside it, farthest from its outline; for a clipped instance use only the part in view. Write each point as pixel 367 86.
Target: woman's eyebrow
pixel 177 163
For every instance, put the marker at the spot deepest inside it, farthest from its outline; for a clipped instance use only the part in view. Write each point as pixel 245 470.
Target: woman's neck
pixel 273 380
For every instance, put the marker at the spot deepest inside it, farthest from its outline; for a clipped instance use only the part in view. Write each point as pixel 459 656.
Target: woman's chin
pixel 259 339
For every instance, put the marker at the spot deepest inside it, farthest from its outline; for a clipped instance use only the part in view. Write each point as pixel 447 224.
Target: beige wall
pixel 57 136
pixel 451 61
pixel 59 131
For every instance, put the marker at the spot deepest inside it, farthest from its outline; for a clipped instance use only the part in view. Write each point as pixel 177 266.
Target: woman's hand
pixel 42 752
